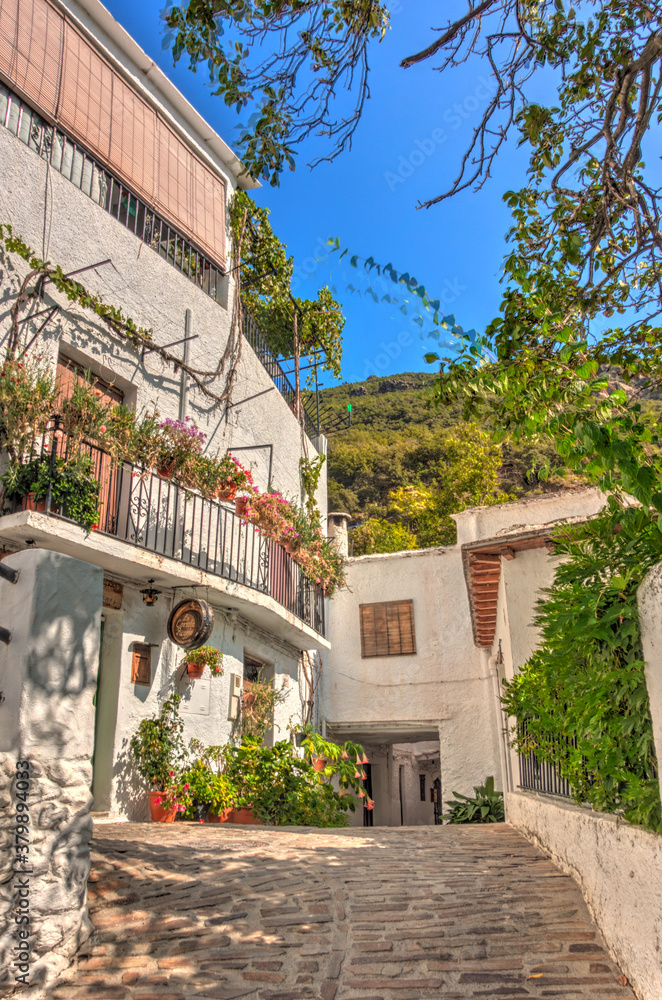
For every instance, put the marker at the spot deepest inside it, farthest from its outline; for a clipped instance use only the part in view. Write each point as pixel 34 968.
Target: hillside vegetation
pixel 404 466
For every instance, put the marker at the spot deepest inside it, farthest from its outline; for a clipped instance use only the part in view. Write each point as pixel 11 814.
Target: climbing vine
pixel 581 700
pixel 120 325
pixel 267 292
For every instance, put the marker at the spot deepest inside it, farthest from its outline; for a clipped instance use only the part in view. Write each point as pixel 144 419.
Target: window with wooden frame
pixel 387 629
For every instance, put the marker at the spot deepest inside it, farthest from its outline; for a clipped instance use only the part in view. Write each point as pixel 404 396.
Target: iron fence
pixel 541 775
pixel 158 515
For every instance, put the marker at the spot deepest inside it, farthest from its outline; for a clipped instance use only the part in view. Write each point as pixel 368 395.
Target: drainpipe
pixel 183 378
pixel 504 755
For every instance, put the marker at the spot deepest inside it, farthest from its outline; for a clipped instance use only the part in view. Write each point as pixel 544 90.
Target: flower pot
pixel 319 763
pixel 227 492
pixel 195 670
pixel 165 471
pixel 29 503
pixel 243 815
pixel 241 506
pixel 222 817
pixel 163 812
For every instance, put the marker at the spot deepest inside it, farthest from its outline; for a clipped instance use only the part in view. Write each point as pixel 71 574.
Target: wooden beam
pixel 507 552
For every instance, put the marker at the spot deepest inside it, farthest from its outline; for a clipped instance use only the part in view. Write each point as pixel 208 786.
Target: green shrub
pixel 485 807
pixel 282 788
pixel 585 685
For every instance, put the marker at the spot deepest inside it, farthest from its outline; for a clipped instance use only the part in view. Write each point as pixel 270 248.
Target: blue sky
pixel 407 147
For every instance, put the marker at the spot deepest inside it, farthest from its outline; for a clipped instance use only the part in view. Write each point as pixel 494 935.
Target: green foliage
pixel 158 747
pixel 282 788
pixel 74 490
pixel 485 807
pixel 266 275
pixel 342 761
pixel 199 784
pixel 292 60
pixel 375 535
pixel 257 709
pixel 27 398
pixel 412 484
pixel 310 471
pixel 586 683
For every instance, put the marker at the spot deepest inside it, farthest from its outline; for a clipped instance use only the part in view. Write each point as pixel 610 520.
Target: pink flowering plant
pixel 158 750
pixel 181 442
pixel 291 526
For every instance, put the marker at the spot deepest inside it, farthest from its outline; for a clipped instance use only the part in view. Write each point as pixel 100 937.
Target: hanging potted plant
pixel 180 440
pixel 158 752
pixel 204 656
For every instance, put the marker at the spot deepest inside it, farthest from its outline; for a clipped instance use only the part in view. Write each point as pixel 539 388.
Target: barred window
pixel 387 629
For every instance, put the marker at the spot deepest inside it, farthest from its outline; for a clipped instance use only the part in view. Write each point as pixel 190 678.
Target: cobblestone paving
pixel 226 912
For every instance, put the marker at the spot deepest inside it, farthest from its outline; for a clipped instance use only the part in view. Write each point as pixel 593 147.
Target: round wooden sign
pixel 190 623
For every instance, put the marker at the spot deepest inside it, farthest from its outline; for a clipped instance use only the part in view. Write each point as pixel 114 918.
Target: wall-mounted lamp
pixel 150 596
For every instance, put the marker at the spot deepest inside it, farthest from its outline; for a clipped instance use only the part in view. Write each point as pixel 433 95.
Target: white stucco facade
pixel 443 692
pixel 66 227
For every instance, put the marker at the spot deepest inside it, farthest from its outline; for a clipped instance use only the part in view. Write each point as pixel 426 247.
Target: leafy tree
pixel 442 473
pixel 266 277
pixel 375 535
pixel 291 61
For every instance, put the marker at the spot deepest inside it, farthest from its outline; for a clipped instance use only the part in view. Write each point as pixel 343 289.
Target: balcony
pixel 151 527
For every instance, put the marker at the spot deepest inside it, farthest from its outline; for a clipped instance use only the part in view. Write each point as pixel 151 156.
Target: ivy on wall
pixel 583 695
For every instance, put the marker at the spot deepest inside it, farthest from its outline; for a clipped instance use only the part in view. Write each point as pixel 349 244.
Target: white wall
pixel 649 598
pixel 205 702
pixel 619 870
pixel 446 683
pixel 60 222
pixel 489 522
pixel 48 677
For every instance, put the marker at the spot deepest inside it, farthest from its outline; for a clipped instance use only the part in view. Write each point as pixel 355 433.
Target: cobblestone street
pixel 224 912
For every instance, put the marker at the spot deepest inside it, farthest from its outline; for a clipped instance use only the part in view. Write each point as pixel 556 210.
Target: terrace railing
pixel 158 515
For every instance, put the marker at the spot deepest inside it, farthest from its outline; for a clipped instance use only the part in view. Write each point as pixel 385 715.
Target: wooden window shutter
pixel 86 94
pixel 208 206
pixel 387 629
pixel 173 192
pixel 31 38
pixel 133 147
pixel 49 62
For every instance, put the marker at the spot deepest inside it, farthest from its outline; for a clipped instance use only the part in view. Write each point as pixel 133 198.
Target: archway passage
pixel 404 767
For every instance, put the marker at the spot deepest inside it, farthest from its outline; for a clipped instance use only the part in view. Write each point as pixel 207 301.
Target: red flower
pixel 95 527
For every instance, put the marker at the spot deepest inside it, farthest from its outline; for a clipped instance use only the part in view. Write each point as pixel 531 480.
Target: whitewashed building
pixel 108 172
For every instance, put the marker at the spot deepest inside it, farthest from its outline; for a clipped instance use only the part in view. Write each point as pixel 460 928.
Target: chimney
pixel 337 528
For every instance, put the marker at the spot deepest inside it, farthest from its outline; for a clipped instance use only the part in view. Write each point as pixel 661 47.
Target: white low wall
pixel 619 870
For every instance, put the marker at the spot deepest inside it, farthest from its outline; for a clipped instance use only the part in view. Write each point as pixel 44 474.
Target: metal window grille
pixel 89 176
pixel 542 775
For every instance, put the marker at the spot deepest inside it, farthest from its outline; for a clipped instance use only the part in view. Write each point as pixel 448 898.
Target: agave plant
pixel 486 807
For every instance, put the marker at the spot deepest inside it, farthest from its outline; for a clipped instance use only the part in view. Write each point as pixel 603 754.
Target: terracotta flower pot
pixel 227 492
pixel 222 817
pixel 29 503
pixel 319 763
pixel 243 815
pixel 165 471
pixel 241 506
pixel 163 812
pixel 195 670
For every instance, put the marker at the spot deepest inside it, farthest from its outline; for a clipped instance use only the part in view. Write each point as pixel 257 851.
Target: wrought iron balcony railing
pixel 155 514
